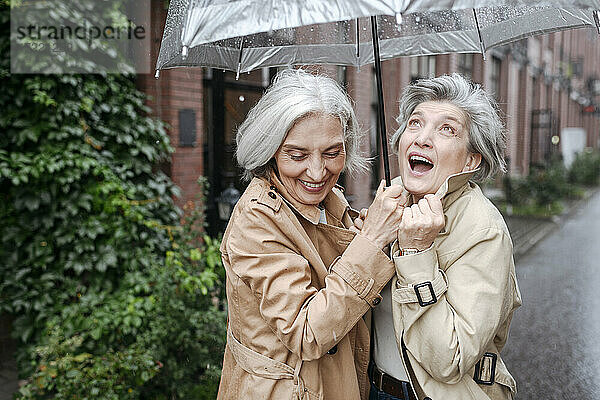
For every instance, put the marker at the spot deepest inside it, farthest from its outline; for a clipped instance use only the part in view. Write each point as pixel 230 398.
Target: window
pixel 422 67
pixel 465 64
pixel 495 77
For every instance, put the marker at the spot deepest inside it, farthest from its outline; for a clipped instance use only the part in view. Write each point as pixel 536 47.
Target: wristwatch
pixel 409 252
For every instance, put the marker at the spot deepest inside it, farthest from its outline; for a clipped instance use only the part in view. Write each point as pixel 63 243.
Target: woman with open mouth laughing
pixel 298 279
pixel 445 317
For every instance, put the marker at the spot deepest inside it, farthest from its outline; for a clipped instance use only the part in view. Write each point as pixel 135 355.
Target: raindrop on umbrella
pixel 399 22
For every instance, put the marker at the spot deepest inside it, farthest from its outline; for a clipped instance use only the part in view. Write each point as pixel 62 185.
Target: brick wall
pixel 360 87
pixel 525 106
pixel 176 89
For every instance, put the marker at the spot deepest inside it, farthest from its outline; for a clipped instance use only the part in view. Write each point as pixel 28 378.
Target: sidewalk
pixel 526 232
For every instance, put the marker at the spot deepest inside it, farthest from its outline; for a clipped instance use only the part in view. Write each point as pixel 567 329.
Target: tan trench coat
pixel 472 272
pixel 297 291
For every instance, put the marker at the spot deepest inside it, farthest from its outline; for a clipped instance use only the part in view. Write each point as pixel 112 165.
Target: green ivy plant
pixel 544 191
pixel 161 335
pixel 114 290
pixel 66 372
pixel 585 169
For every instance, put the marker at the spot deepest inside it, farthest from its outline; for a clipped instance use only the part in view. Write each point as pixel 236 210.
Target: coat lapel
pixel 325 241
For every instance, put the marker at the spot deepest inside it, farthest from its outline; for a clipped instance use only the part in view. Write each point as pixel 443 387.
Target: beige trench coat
pixel 472 272
pixel 297 290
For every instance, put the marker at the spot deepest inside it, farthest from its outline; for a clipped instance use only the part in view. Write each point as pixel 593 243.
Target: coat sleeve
pixel 474 297
pixel 308 320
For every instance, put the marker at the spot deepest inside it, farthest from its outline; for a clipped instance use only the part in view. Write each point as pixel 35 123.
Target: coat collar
pixel 333 202
pixel 449 191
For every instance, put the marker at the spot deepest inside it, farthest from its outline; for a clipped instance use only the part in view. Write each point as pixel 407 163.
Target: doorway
pixel 227 102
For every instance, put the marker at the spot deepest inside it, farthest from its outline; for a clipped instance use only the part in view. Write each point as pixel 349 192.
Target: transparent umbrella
pixel 243 35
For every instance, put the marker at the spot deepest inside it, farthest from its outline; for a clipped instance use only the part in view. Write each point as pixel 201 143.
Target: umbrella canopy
pixel 243 35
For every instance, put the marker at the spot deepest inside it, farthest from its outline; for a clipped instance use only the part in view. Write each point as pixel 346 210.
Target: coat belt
pixel 260 365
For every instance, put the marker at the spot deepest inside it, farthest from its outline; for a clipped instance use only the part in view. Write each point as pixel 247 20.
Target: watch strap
pixel 409 251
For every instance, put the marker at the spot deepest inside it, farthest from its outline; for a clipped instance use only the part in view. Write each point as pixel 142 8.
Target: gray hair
pixel 487 135
pixel 293 95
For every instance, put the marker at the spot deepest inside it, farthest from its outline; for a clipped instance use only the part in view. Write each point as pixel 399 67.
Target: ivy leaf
pixel 82 357
pixel 32 203
pixel 73 373
pixel 79 267
pixel 96 333
pixel 195 254
pixel 101 266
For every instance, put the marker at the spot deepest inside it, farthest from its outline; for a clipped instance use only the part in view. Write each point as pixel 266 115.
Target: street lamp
pixel 226 201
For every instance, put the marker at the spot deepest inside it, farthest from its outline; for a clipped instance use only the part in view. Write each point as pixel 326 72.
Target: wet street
pixel 554 346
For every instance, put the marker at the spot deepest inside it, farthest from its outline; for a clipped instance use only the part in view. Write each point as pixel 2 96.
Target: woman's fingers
pixel 421 223
pixel 436 211
pixel 359 223
pixel 381 222
pixel 363 213
pixel 407 216
pixel 435 204
pixel 394 191
pixel 423 207
pixel 418 210
pixel 381 187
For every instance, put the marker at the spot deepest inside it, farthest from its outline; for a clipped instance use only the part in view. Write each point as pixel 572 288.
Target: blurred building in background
pixel 548 88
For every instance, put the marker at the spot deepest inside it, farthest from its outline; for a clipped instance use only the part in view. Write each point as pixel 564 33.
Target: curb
pixel 526 232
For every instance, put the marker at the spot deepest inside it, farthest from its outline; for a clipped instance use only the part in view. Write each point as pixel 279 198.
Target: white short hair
pixel 293 95
pixel 487 135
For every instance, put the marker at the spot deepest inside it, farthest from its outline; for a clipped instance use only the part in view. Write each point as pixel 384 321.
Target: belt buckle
pixel 380 373
pixel 376 377
pixel 428 285
pixel 480 367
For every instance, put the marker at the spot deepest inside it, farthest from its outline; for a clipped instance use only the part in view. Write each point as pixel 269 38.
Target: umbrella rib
pixel 357 48
pixel 239 64
pixel 479 34
pixel 597 19
pixel 357 39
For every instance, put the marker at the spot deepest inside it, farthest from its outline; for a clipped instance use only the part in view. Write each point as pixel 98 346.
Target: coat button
pixel 273 187
pixel 376 301
pixel 333 350
pixel 272 195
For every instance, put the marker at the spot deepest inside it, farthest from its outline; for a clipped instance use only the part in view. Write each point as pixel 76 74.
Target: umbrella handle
pixel 380 108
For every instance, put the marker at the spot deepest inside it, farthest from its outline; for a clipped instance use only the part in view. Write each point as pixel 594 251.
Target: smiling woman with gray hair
pixel 295 94
pixel 298 279
pixel 449 308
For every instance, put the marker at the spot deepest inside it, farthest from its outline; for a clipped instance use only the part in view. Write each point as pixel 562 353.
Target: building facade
pixel 548 89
